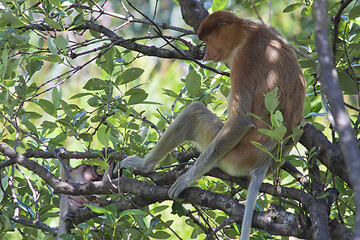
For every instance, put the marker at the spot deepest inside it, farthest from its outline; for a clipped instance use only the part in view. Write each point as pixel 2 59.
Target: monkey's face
pixel 215 50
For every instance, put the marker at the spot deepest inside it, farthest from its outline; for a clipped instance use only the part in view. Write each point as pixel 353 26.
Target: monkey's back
pixel 263 63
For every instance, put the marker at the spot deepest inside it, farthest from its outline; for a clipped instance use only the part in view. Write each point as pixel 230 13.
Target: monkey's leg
pixel 224 141
pixel 195 123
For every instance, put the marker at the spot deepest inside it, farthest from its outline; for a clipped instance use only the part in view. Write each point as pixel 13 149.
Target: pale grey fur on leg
pixel 182 129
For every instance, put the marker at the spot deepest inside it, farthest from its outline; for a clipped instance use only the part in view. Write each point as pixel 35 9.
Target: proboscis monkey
pixel 81 174
pixel 259 61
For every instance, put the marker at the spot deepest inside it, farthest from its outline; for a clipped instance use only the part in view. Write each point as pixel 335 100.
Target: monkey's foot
pixel 136 163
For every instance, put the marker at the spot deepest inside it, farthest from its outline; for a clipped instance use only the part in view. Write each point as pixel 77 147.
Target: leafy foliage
pixel 67 86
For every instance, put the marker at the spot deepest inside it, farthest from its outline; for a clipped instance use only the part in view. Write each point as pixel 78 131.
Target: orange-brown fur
pixel 262 62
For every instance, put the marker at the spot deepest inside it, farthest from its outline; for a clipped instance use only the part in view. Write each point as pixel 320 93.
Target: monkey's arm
pixel 228 137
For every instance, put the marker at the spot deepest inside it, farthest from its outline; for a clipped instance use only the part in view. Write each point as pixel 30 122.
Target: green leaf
pixel 97 209
pixel 87 137
pixel 65 123
pixel 51 46
pixel 94 101
pixel 354 12
pixel 80 95
pixel 132 212
pixel 108 63
pixel 56 2
pixel 160 235
pixel 296 134
pixel 33 115
pixel 159 209
pixel 257 117
pixel 306 63
pixel 48 125
pixel 66 108
pixel 271 100
pixel 340 186
pixel 33 66
pixel 4 184
pixel 5 57
pixel 6 18
pixel 347 84
pixel 52 23
pixel 292 7
pixel 178 208
pixel 79 19
pixel 98 162
pixel 307 106
pixel 170 93
pixel 139 221
pixel 112 209
pixel 129 75
pixel 277 119
pixel 276 134
pixel 103 135
pixel 96 84
pixel 324 195
pixel 306 11
pixel 61 42
pixel 262 148
pixel 196 232
pixel 31 127
pixel 137 95
pixel 206 93
pixel 225 90
pixel 138 98
pixel 219 5
pixel 59 139
pixel 56 97
pixel 193 83
pixel 47 106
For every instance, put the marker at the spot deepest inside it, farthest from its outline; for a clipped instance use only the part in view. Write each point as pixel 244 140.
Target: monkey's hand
pixel 180 184
pixel 136 163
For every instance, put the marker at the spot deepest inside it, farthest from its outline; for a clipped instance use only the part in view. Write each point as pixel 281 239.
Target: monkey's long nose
pixel 206 57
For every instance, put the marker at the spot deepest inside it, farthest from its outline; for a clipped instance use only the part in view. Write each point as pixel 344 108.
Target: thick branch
pixel 284 224
pixel 327 152
pixel 193 12
pixel 331 89
pixel 31 165
pixel 65 154
pixel 318 210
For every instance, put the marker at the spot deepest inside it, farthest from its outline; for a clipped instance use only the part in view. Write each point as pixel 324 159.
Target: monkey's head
pixel 213 21
pixel 222 33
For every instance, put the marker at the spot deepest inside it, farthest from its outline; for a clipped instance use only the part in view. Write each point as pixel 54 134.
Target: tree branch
pixel 193 54
pixel 337 19
pixel 193 12
pixel 283 224
pixel 330 87
pixel 327 152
